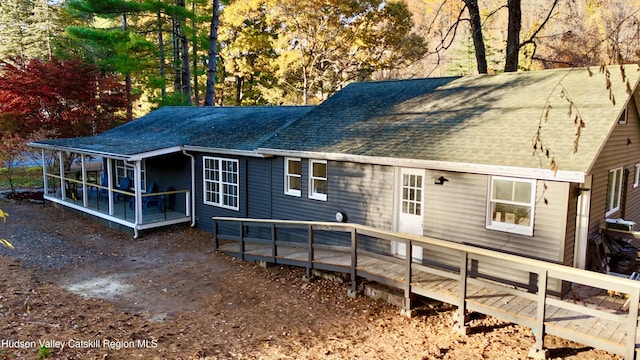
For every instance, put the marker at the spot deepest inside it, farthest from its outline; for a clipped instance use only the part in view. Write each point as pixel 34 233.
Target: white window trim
pixel 507 227
pixel 287 176
pixel 615 201
pixel 624 118
pixel 312 194
pixel 220 183
pixel 128 169
pixel 636 176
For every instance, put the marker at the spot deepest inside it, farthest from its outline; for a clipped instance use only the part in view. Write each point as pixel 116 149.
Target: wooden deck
pixel 597 319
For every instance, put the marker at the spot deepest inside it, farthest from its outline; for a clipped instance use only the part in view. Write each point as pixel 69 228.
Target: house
pixel 529 163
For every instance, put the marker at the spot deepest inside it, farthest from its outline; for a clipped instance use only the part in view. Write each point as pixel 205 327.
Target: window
pixel 126 169
pixel 221 182
pixel 636 176
pixel 614 190
pixel 511 205
pixel 292 176
pixel 624 118
pixel 318 180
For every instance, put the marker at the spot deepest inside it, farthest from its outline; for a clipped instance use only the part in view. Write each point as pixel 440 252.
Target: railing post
pixel 310 252
pixel 242 240
pixel 460 317
pixel 353 292
pixel 216 243
pixel 407 310
pixel 632 326
pixel 538 351
pixel 274 239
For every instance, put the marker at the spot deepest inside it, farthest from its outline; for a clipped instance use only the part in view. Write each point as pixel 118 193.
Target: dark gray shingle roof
pixel 483 119
pixel 233 128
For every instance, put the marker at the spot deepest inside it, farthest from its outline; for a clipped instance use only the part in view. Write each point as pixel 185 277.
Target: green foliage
pixel 44 352
pixel 21 177
pixel 28 28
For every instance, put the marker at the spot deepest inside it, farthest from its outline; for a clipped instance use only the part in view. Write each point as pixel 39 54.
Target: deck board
pixel 500 303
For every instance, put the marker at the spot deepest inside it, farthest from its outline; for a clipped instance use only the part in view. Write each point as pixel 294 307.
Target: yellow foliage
pixel 6 243
pixel 3 216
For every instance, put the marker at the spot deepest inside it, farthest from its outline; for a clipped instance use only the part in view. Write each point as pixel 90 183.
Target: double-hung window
pixel 318 180
pixel 511 205
pixel 614 190
pixel 221 186
pixel 126 169
pixel 292 176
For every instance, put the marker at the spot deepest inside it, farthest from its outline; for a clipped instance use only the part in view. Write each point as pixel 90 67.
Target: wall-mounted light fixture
pixel 341 217
pixel 441 180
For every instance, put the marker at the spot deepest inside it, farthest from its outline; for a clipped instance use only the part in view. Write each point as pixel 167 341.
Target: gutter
pixel 512 171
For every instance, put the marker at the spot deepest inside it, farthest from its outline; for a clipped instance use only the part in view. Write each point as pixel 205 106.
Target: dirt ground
pixel 72 288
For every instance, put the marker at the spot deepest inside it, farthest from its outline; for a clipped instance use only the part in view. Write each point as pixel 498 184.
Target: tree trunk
pixel 185 64
pixel 196 95
pixel 209 96
pixel 513 35
pixel 127 78
pixel 476 34
pixel 163 74
pixel 176 55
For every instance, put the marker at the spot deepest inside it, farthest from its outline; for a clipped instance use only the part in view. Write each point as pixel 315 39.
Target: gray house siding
pixel 622 149
pixel 258 180
pixel 363 192
pixel 457 212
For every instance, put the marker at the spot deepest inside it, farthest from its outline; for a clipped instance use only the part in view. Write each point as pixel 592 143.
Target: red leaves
pixel 68 97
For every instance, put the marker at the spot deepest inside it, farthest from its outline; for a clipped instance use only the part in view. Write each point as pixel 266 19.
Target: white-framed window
pixel 318 180
pixel 221 182
pixel 125 169
pixel 624 118
pixel 636 176
pixel 292 176
pixel 511 205
pixel 614 189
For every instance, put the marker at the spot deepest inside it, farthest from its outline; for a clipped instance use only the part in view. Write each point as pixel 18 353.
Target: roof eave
pixel 513 171
pixel 222 151
pixel 127 157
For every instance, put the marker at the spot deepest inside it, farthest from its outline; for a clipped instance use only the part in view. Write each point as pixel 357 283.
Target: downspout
pixel 137 193
pixel 193 187
pixel 583 214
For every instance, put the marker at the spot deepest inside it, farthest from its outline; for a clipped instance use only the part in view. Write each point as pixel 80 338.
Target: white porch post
pixel 45 183
pixel 110 184
pixel 85 193
pixel 137 190
pixel 63 191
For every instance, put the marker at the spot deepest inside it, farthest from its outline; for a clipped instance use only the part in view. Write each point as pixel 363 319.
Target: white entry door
pixel 410 209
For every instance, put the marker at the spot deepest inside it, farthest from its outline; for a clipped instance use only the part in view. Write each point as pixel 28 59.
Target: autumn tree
pixel 607 33
pixel 326 45
pixel 69 98
pixel 247 54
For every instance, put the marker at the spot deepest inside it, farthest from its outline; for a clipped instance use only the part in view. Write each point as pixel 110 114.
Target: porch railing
pixel 95 198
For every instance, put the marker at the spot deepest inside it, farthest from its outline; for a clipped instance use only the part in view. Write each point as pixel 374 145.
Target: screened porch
pixel 114 189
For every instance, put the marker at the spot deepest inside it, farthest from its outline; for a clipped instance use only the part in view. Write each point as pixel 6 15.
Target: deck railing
pixel 547 312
